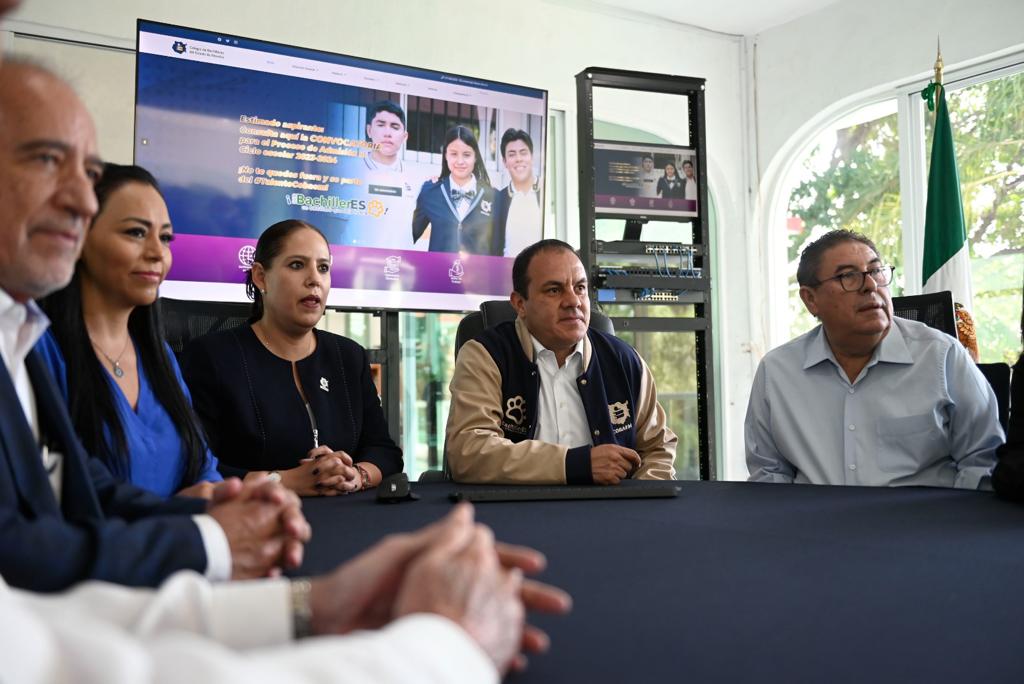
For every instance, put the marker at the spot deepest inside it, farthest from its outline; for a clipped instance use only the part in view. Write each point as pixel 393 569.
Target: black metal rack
pixel 682 272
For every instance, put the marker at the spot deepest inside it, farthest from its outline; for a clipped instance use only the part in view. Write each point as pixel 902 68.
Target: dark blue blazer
pixel 101 529
pixel 474 234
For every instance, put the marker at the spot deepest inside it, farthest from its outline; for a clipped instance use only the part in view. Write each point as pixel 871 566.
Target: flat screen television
pixel 645 181
pixel 244 133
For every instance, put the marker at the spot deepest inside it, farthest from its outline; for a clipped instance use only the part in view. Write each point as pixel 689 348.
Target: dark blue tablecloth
pixel 735 582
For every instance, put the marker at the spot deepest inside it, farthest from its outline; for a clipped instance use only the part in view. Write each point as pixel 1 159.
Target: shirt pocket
pixel 908 443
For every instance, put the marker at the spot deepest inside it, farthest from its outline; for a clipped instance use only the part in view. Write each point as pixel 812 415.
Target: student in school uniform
pixel 457 208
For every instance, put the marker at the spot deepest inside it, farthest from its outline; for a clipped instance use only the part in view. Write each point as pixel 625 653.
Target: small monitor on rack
pixel 643 180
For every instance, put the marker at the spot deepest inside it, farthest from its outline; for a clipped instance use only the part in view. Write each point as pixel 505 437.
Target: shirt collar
pixel 470 184
pixel 22 324
pixel 513 192
pixel 538 348
pixel 892 348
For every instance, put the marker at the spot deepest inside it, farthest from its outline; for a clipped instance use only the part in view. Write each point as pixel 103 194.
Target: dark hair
pixel 646 157
pixel 268 247
pixel 513 134
pixel 810 258
pixel 386 106
pixel 465 135
pixel 520 279
pixel 90 398
pixel 675 171
pixel 687 161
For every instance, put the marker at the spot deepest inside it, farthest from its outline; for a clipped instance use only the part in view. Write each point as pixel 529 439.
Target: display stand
pixel 668 273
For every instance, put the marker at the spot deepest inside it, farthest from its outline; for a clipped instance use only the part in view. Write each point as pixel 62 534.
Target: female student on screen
pixel 670 185
pixel 122 384
pixel 458 207
pixel 279 395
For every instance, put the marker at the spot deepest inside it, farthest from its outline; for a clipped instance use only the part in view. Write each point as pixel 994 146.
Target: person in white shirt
pixel 517 210
pixel 690 191
pixel 439 605
pixel 648 177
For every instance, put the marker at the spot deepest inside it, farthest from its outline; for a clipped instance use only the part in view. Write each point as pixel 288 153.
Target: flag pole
pixel 938 72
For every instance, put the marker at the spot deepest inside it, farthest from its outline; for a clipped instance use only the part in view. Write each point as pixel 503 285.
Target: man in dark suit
pixel 63 517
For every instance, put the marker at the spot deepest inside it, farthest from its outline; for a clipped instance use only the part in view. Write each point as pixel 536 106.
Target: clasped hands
pixel 453 568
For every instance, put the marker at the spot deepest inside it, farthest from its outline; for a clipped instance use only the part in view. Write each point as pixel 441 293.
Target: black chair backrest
pixel 185 320
pixel 998 375
pixel 497 311
pixel 935 310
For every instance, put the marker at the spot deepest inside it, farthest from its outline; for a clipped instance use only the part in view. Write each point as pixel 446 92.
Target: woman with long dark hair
pixel 106 350
pixel 278 395
pixel 457 208
pixel 670 186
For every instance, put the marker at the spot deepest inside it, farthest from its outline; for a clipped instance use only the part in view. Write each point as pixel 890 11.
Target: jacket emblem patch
pixel 618 412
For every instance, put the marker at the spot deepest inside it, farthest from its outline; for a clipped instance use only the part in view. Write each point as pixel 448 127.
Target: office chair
pixel 934 310
pixel 496 311
pixel 185 320
pixel 998 375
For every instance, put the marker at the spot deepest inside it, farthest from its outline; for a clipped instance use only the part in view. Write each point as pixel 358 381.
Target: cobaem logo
pixel 331 204
pixel 179 47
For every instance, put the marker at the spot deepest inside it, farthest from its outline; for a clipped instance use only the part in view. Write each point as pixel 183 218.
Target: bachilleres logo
pixel 332 204
pixel 179 47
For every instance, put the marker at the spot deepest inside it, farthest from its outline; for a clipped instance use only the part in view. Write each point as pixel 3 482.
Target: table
pixel 736 581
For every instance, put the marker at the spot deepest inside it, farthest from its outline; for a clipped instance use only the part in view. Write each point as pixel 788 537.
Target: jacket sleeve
pixel 375 443
pixel 199 370
pixel 420 216
pixel 655 442
pixel 48 553
pixel 475 444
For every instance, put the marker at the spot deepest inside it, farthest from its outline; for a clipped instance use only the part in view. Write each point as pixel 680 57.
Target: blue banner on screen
pixel 426 184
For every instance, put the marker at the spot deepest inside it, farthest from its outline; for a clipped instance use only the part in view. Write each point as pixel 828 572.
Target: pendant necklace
pixel 115 364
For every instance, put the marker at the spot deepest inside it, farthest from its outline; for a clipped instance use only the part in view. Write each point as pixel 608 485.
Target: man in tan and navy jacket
pixel 547 400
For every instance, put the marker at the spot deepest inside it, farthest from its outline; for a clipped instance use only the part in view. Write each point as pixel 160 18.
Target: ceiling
pixel 741 17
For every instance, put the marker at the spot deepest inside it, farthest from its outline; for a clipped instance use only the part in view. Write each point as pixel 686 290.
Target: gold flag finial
pixel 938 61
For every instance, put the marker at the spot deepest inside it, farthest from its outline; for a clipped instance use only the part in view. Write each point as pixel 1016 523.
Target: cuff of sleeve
pixel 255 614
pixel 577 466
pixel 448 655
pixel 218 551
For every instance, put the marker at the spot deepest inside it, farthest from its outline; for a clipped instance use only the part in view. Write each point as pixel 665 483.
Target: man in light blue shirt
pixel 865 398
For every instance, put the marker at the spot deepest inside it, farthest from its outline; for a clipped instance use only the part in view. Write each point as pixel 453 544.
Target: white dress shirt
pixel 191 631
pixel 561 418
pixel 523 225
pixel 21 326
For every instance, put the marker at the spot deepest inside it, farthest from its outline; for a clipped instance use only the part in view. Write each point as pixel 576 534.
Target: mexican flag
pixel 947 264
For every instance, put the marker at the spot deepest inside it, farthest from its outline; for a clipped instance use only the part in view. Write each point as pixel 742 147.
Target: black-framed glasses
pixel 853 281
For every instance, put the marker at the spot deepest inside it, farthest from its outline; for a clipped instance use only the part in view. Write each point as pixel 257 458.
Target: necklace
pixel 115 364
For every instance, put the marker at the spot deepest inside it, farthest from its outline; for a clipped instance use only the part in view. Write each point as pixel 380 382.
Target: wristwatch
pixel 302 608
pixel 274 476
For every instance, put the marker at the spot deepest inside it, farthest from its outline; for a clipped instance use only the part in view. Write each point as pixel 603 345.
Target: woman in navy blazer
pixel 458 206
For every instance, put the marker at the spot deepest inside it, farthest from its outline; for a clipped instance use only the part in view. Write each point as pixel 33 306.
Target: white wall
pixel 807 65
pixel 540 43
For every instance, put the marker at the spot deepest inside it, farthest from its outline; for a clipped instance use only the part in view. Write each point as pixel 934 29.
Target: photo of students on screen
pixel 455 213
pixel 386 130
pixel 690 191
pixel 648 177
pixel 517 210
pixel 670 185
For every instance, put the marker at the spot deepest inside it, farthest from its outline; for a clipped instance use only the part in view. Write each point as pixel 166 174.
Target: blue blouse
pixel 150 435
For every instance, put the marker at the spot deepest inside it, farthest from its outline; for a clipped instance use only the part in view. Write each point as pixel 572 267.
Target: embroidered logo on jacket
pixel 323 384
pixel 618 412
pixel 515 409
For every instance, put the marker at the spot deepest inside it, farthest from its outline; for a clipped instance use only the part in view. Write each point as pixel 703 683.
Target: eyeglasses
pixel 853 281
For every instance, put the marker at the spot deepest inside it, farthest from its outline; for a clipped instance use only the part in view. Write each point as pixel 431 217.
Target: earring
pixel 263 292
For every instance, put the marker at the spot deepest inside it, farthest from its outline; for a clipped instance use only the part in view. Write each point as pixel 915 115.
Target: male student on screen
pixel 648 177
pixel 386 130
pixel 865 398
pixel 546 399
pixel 517 206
